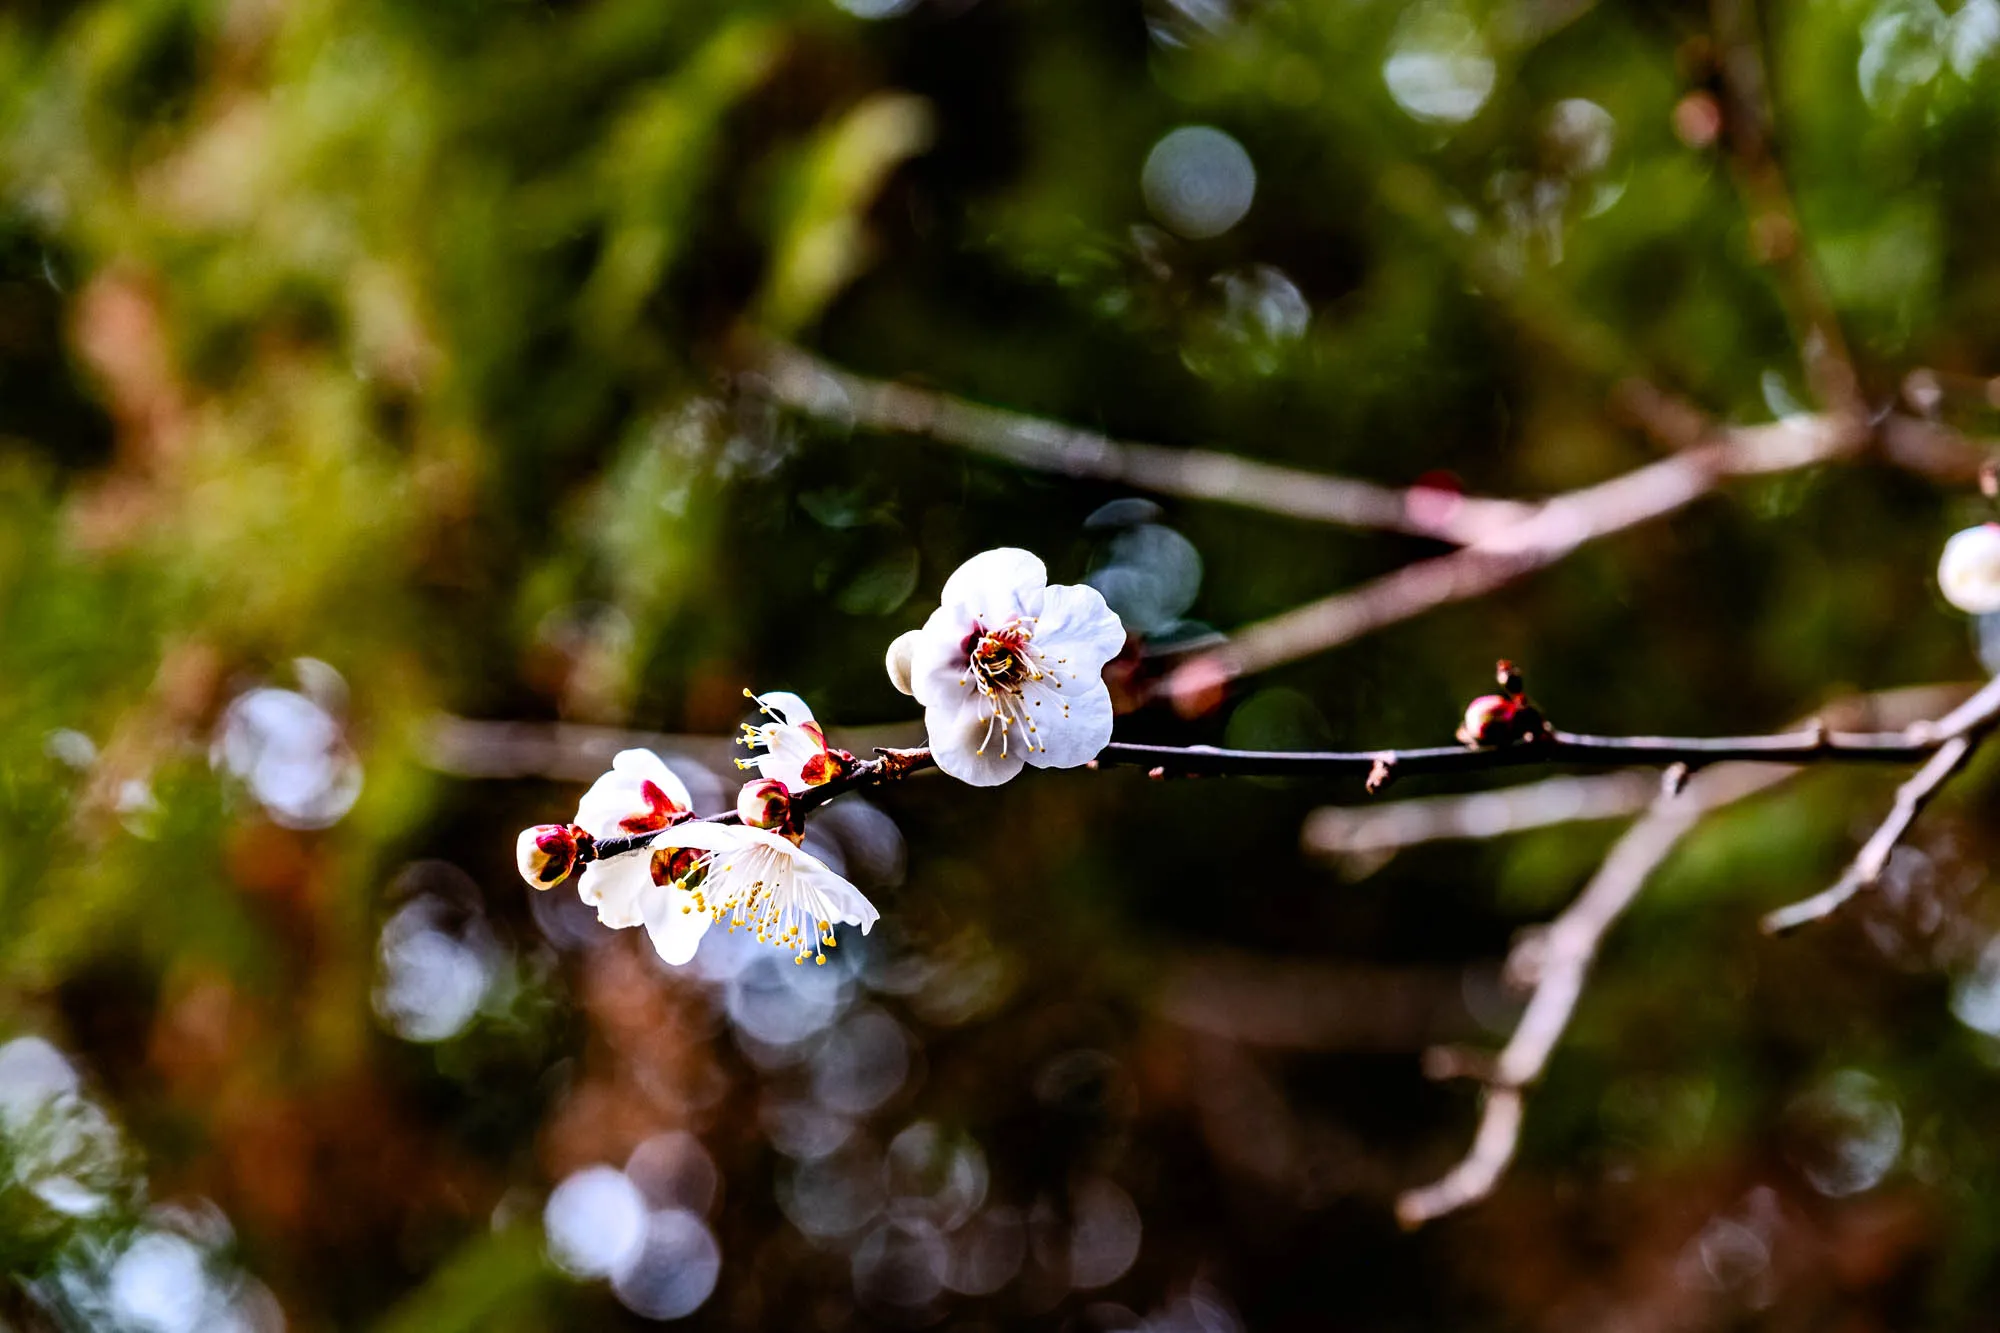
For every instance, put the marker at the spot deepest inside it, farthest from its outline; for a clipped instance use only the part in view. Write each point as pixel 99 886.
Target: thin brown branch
pixel 1867 867
pixel 1559 960
pixel 1810 745
pixel 1376 830
pixel 1958 735
pixel 804 383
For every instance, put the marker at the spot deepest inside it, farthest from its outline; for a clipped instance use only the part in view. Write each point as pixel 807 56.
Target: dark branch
pixel 1553 748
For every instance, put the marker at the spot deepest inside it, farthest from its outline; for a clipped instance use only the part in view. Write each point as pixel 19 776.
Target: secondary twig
pixel 1372 830
pixel 1559 959
pixel 806 384
pixel 1866 868
pixel 1955 737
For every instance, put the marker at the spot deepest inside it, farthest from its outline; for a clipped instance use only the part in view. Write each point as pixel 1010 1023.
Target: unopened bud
pixel 764 804
pixel 1969 570
pixel 901 653
pixel 1492 719
pixel 546 853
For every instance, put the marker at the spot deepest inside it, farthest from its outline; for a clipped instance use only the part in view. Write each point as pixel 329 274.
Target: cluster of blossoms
pixel 1009 670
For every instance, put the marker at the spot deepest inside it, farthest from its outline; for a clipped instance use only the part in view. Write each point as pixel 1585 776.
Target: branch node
pixel 1445 1064
pixel 1674 780
pixel 895 764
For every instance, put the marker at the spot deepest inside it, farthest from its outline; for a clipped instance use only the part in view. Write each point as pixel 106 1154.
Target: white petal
pixel 675 932
pixel 791 709
pixel 787 752
pixel 649 767
pixel 998 584
pixel 611 798
pixel 616 795
pixel 938 658
pixel 616 887
pixel 850 907
pixel 1077 737
pixel 956 733
pixel 702 836
pixel 1078 625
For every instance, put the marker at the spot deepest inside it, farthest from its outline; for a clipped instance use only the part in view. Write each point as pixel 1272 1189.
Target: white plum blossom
pixel 1969 570
pixel 713 874
pixel 794 747
pixel 639 795
pixel 1010 670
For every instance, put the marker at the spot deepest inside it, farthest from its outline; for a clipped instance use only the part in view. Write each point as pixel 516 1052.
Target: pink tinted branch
pixel 804 383
pixel 1556 528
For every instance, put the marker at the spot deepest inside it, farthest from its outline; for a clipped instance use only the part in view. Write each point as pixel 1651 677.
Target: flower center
pixel 1011 675
pixel 765 896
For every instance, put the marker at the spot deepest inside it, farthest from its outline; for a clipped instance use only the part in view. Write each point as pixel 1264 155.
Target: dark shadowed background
pixel 401 404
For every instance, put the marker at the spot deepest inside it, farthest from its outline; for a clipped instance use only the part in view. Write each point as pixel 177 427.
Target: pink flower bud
pixel 765 804
pixel 899 658
pixel 546 853
pixel 1492 719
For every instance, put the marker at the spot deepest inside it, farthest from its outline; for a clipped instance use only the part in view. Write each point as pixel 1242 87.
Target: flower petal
pixel 938 658
pixel 1077 624
pixel 703 836
pixel 619 793
pixel 787 752
pixel 791 709
pixel 1078 736
pixel 671 922
pixel 998 585
pixel 850 906
pixel 957 732
pixel 616 887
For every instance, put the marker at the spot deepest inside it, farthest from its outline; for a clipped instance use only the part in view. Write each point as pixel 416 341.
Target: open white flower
pixel 1969 570
pixel 712 874
pixel 1010 670
pixel 795 751
pixel 639 795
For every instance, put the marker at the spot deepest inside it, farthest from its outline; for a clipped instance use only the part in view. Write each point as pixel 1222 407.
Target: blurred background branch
pixel 804 383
